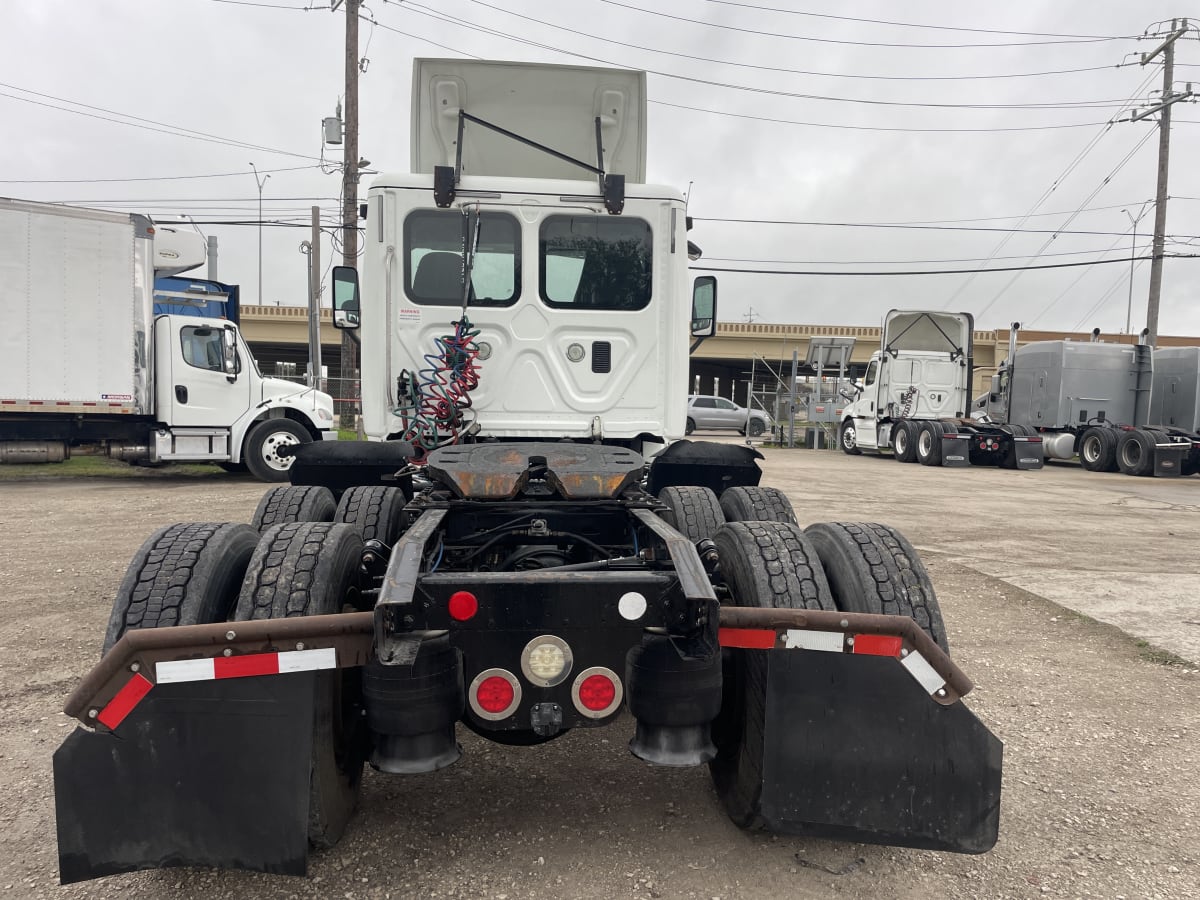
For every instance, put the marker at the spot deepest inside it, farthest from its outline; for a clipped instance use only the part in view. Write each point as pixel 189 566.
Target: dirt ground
pixel 1101 795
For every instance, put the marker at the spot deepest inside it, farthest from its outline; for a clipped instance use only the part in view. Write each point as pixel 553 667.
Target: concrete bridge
pixel 722 364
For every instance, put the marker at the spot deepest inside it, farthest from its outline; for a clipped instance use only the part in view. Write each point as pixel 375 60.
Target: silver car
pixel 716 412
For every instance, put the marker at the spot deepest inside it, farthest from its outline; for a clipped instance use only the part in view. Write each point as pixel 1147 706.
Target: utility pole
pixel 349 353
pixel 1163 108
pixel 260 182
pixel 314 301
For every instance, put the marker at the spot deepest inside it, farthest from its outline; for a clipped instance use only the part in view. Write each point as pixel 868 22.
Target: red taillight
pixel 597 692
pixel 462 605
pixel 494 694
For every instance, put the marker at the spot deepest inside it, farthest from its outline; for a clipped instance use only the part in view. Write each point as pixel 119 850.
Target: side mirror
pixel 345 298
pixel 849 395
pixel 233 364
pixel 704 306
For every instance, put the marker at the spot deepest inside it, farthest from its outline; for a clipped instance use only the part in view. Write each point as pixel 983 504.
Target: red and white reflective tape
pixel 836 642
pixel 245 666
pixel 212 669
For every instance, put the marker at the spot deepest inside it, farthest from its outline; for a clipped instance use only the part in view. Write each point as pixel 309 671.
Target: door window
pixel 433 258
pixel 722 403
pixel 202 347
pixel 704 403
pixel 872 372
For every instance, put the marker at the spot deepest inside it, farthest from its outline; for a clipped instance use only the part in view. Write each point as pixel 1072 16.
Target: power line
pixel 173 130
pixel 813 15
pixel 1070 265
pixel 761 68
pixel 796 37
pixel 895 262
pixel 146 178
pixel 771 92
pixel 906 227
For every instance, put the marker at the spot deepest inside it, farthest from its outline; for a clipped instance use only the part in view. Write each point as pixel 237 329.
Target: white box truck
pixel 85 361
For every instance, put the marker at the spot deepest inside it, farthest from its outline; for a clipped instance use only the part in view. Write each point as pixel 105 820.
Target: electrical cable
pixel 1069 265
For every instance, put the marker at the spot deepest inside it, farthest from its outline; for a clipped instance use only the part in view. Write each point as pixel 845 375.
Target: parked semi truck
pixel 98 352
pixel 1106 403
pixel 915 399
pixel 502 557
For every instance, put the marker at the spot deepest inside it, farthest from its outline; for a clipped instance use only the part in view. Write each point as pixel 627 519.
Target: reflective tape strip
pixel 878 644
pixel 920 669
pixel 246 666
pixel 802 639
pixel 747 638
pixel 123 703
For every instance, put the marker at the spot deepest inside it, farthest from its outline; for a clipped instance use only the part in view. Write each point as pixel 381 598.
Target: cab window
pixel 202 347
pixel 433 258
pixel 872 372
pixel 595 262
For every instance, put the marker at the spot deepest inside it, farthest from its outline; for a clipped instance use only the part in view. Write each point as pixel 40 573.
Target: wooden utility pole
pixel 314 302
pixel 1163 108
pixel 349 362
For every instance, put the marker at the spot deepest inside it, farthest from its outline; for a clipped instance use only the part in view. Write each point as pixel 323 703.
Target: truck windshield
pixel 433 245
pixel 595 262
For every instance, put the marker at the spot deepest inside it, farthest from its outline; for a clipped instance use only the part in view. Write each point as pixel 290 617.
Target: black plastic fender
pixel 705 464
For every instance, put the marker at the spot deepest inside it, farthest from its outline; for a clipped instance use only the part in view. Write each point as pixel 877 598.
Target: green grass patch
pixel 1157 655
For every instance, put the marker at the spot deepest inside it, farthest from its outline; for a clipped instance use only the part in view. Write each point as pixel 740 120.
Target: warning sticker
pixel 408 316
pixel 116 396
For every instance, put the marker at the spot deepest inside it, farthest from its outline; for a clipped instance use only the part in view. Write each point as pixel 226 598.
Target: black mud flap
pixel 341 465
pixel 704 464
pixel 856 749
pixel 207 773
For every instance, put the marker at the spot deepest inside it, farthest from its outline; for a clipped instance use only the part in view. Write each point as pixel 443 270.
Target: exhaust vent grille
pixel 601 356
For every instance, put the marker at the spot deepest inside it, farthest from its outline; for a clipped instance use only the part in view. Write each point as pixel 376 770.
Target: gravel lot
pixel 1101 797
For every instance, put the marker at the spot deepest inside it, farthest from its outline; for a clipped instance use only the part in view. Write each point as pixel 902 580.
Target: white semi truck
pixel 915 398
pixel 1118 407
pixel 85 361
pixel 501 558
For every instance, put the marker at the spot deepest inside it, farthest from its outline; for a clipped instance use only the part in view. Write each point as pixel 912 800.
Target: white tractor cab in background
pixel 502 557
pixel 916 395
pixel 85 359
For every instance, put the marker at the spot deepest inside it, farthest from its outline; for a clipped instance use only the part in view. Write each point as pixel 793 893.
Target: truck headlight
pixel 324 414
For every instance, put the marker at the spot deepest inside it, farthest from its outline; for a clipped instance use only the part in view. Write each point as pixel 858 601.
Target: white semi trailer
pixel 916 394
pixel 85 361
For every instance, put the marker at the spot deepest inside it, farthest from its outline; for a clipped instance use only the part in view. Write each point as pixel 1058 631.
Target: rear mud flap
pixel 206 773
pixel 855 749
pixel 956 451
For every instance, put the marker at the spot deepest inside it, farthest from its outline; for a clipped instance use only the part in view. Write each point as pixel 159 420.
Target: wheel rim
pixel 925 443
pixel 1091 449
pixel 271 447
pixel 849 438
pixel 1132 454
pixel 901 442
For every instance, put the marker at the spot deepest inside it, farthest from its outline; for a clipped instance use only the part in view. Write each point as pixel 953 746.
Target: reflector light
pixel 494 694
pixel 878 644
pixel 462 605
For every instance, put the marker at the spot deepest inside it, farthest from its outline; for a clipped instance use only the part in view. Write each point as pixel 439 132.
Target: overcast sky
pixel 840 117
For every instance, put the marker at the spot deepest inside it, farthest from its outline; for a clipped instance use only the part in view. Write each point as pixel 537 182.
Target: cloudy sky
pixel 852 137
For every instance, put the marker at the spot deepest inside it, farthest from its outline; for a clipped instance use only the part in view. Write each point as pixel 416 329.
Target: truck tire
pixel 1135 452
pixel 186 574
pixel 293 503
pixel 690 426
pixel 1098 450
pixel 693 511
pixel 848 438
pixel 756 504
pixel 929 444
pixel 904 441
pixel 757 427
pixel 770 565
pixel 261 452
pixel 874 569
pixel 309 569
pixel 375 511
